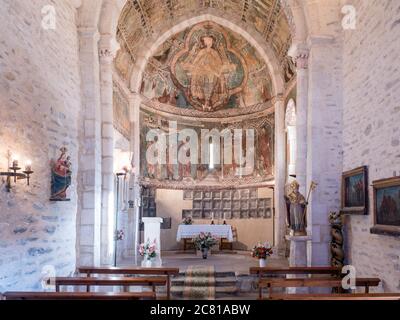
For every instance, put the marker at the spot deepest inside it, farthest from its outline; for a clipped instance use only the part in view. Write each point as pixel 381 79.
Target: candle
pixel 15 161
pixel 28 166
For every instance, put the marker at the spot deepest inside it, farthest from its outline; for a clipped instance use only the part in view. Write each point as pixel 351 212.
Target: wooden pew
pixel 127 271
pixel 347 296
pixel 79 296
pixel 315 282
pixel 107 281
pixel 261 271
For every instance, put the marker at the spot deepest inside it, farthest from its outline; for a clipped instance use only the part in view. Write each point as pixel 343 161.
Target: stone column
pixel 107 53
pixel 301 59
pixel 134 212
pixel 89 186
pixel 280 173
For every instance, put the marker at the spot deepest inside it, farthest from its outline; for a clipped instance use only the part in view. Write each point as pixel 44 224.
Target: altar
pixel 216 230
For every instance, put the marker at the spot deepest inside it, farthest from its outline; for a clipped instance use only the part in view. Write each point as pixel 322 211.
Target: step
pixel 219 281
pixel 227 290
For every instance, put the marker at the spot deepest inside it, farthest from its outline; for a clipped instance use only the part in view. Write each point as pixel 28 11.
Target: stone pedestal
pixel 298 258
pixel 152 229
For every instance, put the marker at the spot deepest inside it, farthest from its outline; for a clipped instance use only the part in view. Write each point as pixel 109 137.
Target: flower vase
pixel 262 262
pixel 204 252
pixel 148 263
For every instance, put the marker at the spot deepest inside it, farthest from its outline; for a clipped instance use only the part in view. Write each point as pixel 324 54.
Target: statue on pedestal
pixel 297 208
pixel 296 213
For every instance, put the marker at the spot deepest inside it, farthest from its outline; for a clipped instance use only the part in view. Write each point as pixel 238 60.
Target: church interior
pixel 199 150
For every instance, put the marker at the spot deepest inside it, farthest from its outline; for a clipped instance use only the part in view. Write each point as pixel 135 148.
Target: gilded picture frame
pixel 355 198
pixel 386 193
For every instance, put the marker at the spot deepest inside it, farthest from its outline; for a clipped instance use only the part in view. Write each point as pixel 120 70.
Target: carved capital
pixel 108 48
pixel 301 58
pixel 300 53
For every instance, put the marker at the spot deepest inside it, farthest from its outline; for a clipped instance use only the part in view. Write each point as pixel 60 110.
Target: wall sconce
pixel 13 172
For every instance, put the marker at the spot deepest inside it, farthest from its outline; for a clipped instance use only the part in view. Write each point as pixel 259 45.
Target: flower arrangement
pixel 187 221
pixel 148 250
pixel 262 251
pixel 204 241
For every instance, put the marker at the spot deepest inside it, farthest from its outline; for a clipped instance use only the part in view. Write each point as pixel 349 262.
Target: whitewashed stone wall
pixel 371 127
pixel 39 111
pixel 324 138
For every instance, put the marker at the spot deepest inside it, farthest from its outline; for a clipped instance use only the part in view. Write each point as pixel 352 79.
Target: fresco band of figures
pixel 263 156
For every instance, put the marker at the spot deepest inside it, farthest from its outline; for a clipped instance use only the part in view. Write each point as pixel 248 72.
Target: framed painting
pixel 355 191
pixel 387 207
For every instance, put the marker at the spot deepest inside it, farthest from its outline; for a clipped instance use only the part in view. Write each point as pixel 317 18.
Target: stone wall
pixel 39 107
pixel 371 127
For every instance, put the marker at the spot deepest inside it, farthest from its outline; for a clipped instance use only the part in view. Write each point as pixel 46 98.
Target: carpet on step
pixel 199 283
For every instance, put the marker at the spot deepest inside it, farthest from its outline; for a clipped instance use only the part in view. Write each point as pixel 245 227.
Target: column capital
pixel 300 53
pixel 280 97
pixel 108 48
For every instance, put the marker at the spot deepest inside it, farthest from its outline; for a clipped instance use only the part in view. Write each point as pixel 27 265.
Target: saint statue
pixel 61 177
pixel 296 210
pixel 206 69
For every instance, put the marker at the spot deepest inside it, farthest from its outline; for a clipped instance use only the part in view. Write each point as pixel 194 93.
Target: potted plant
pixel 203 242
pixel 148 252
pixel 187 221
pixel 261 252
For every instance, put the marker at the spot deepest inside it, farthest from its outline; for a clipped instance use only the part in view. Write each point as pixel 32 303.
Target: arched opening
pixel 291 143
pixel 131 73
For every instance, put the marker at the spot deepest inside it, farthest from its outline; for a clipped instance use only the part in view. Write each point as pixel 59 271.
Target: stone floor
pixel 223 261
pixel 235 262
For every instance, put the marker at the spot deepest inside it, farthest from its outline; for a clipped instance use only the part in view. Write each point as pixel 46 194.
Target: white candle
pixel 15 161
pixel 28 166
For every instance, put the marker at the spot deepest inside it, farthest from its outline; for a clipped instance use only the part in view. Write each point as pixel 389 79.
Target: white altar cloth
pixel 216 230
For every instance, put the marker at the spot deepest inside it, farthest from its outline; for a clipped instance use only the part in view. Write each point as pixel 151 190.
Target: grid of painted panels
pixel 149 202
pixel 228 204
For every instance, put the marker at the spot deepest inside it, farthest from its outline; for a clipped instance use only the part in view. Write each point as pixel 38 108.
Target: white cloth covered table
pixel 216 230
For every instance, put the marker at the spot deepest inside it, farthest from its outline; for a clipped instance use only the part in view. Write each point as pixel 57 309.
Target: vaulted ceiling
pixel 142 19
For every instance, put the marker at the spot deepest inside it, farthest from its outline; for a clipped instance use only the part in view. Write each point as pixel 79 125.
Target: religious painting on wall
pixel 61 172
pixel 355 191
pixel 207 68
pixel 387 206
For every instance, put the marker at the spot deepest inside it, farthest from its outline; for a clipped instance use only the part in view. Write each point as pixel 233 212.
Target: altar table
pixel 216 230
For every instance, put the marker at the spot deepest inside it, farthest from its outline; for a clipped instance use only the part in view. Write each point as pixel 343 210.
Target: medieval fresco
pixel 223 171
pixel 207 68
pixel 121 113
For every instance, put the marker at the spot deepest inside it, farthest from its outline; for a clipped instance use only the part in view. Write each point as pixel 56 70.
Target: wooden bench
pixel 347 296
pixel 168 272
pixel 107 281
pixel 79 296
pixel 315 282
pixel 261 271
